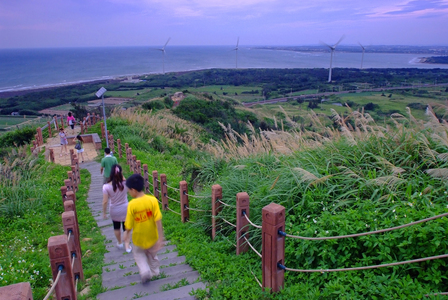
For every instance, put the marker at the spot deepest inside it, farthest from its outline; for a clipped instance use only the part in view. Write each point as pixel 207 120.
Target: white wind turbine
pixel 163 52
pixel 363 50
pixel 236 53
pixel 332 48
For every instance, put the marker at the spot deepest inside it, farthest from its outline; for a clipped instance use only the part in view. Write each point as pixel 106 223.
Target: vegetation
pixel 357 177
pixel 244 84
pixel 30 212
pixel 338 172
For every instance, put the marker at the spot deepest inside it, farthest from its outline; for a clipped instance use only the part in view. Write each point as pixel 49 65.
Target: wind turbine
pixel 236 53
pixel 163 52
pixel 363 50
pixel 332 48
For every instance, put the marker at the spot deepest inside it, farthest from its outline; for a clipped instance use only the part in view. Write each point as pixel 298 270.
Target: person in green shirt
pixel 106 164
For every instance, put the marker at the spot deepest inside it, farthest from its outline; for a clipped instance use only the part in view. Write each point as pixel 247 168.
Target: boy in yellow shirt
pixel 145 219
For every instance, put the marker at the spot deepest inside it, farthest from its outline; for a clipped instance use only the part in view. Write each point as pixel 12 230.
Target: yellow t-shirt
pixel 142 214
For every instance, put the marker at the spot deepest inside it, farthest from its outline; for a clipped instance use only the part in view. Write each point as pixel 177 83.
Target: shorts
pixel 80 150
pixel 72 126
pixel 117 225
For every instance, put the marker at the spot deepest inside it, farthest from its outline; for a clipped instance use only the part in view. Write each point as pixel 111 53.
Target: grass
pixel 27 228
pixel 332 182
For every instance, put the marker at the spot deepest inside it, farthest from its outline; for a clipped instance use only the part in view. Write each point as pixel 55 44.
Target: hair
pixel 106 150
pixel 60 128
pixel 135 182
pixel 79 137
pixel 116 176
pixel 69 114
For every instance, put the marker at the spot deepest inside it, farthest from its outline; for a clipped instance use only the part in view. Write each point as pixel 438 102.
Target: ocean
pixel 37 68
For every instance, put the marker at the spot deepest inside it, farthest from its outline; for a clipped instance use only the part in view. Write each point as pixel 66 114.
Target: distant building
pixel 177 97
pixel 15 113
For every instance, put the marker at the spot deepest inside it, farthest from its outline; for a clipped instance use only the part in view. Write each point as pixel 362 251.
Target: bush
pixel 17 137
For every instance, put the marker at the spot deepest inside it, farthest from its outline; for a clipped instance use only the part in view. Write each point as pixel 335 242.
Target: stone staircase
pixel 120 273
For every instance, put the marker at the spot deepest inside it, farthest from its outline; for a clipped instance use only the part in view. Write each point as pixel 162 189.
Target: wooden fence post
pixel 68 184
pixel 56 122
pixel 273 247
pixel 139 167
pixel 155 184
pixel 216 206
pixel 49 129
pixel 40 141
pixel 164 191
pixel 64 193
pixel 146 177
pixel 184 211
pixel 18 291
pixel 70 195
pixel 126 148
pixel 78 172
pixel 72 178
pixel 89 119
pixel 70 223
pixel 134 164
pixel 60 260
pixel 242 207
pixel 119 148
pixel 51 155
pixel 93 119
pixel 72 156
pixel 112 143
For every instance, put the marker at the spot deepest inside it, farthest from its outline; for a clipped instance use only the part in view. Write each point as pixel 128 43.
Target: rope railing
pixel 258 281
pixel 60 268
pixel 365 268
pixel 69 235
pixel 225 221
pixel 172 199
pixel 173 188
pixel 149 183
pixel 195 196
pixel 361 234
pixel 248 220
pixel 196 209
pixel 225 204
pixel 172 210
pixel 73 259
pixel 252 247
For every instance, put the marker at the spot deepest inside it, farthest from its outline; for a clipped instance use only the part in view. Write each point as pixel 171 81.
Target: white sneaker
pixel 120 246
pixel 129 250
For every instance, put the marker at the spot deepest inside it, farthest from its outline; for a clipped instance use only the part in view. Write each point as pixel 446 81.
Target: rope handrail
pixel 364 268
pixel 258 281
pixel 69 235
pixel 73 259
pixel 225 204
pixel 196 209
pixel 194 196
pixel 76 285
pixel 225 221
pixel 248 220
pixel 150 183
pixel 170 187
pixel 54 283
pixel 172 199
pixel 173 210
pixel 252 247
pixel 361 234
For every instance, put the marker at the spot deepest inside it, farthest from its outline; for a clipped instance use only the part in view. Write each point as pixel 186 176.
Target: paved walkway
pixel 120 275
pixel 63 158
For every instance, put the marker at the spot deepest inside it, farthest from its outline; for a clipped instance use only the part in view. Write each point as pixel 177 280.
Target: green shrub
pixel 17 137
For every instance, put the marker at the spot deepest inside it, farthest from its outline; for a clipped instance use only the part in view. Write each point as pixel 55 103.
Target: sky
pixel 99 23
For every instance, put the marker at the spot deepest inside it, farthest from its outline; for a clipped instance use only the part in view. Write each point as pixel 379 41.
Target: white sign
pixel 100 92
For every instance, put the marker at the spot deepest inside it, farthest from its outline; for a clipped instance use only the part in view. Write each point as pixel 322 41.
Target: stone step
pixel 131 275
pixel 130 263
pixel 145 290
pixel 121 255
pixel 178 293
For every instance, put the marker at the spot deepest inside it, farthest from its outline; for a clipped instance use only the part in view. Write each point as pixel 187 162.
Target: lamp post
pixel 100 93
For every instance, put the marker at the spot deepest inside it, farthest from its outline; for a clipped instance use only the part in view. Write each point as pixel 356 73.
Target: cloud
pixel 413 8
